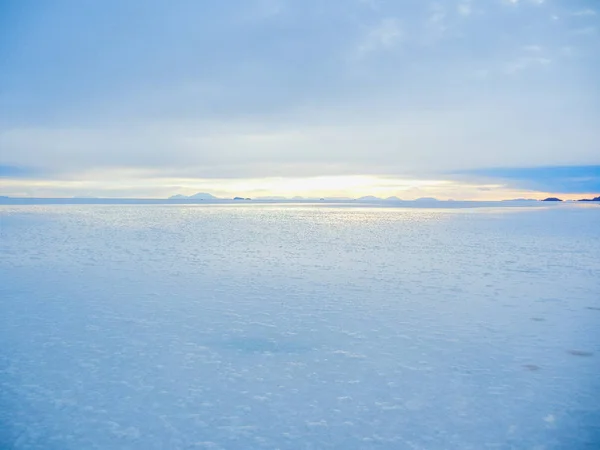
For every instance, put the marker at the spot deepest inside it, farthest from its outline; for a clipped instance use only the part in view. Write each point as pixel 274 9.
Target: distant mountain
pixel 369 198
pixel 427 199
pixel 595 199
pixel 552 199
pixel 203 196
pixel 198 196
pixel 372 198
pixel 520 200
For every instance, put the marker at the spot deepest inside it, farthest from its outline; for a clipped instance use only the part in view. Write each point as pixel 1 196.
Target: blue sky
pixel 462 99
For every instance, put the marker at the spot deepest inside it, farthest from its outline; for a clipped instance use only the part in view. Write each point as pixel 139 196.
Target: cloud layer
pixel 263 89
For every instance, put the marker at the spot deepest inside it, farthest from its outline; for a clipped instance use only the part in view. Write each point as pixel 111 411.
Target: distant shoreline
pixel 370 203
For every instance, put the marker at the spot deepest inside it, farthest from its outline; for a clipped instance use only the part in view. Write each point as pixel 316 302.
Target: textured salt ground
pixel 298 327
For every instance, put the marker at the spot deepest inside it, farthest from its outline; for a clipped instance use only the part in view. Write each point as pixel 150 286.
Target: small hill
pixel 552 199
pixel 369 198
pixel 198 196
pixel 203 196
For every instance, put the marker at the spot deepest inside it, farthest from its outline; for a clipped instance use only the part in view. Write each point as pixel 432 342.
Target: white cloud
pixel 436 25
pixel 516 2
pixel 437 13
pixel 480 74
pixel 464 9
pixel 584 12
pixel 372 4
pixel 270 8
pixel 280 99
pixel 586 31
pixel 568 51
pixel 525 63
pixel 386 35
pixel 532 48
pixel 417 142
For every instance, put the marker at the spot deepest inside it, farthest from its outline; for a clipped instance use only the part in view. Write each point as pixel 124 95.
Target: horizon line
pixel 297 199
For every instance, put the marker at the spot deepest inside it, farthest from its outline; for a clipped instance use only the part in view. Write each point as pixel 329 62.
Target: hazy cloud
pixel 386 35
pixel 273 88
pixel 584 12
pixel 464 9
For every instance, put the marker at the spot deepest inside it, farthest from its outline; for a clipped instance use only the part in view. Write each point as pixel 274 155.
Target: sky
pixel 462 99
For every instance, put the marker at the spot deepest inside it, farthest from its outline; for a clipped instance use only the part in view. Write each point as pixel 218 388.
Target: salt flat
pixel 299 327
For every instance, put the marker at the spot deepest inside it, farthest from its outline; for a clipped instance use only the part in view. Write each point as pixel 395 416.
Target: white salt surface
pixel 299 327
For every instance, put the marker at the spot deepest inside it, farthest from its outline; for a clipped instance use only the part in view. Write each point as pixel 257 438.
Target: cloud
pixel 253 90
pixel 532 48
pixel 310 143
pixel 585 31
pixel 584 12
pixel 372 4
pixel 557 179
pixel 525 63
pixel 436 25
pixel 261 10
pixel 464 9
pixel 385 35
pixel 517 2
